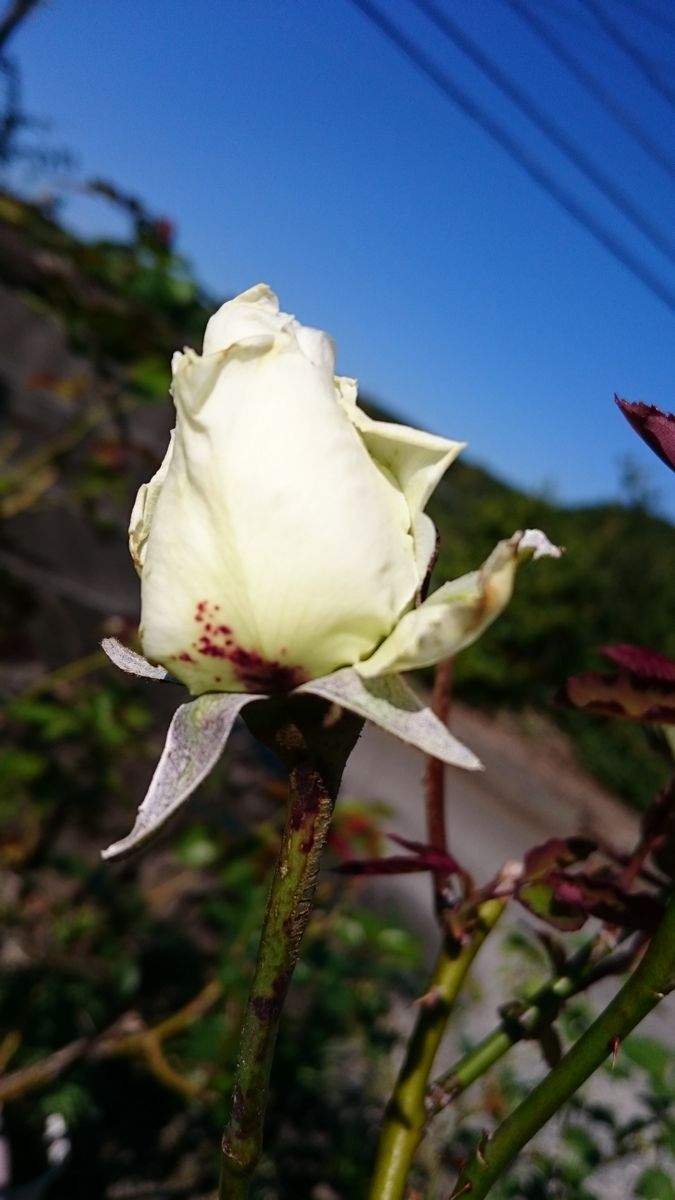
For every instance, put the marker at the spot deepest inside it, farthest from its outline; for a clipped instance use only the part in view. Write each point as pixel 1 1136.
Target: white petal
pixel 426 546
pixel 253 314
pixel 144 507
pixel 392 705
pixel 458 613
pixel 275 519
pixel 415 459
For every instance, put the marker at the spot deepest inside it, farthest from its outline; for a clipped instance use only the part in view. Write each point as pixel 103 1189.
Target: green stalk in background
pixel 539 1011
pixel 652 979
pixel 405 1116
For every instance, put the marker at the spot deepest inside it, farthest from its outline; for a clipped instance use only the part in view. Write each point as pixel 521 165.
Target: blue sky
pixel 292 143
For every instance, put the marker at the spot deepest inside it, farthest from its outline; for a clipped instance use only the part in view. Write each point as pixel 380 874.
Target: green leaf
pixel 655 1184
pixel 197 847
pixel 583 1145
pixel 151 377
pixel 540 899
pixel 653 1057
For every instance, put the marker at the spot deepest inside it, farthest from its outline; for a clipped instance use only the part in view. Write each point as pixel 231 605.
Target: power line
pixel 602 94
pixel 650 15
pixel 634 53
pixel 500 134
pixel 550 128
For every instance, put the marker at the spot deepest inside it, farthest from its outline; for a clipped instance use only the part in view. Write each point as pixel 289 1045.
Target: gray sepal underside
pixel 131 662
pixel 200 728
pixel 196 739
pixel 387 701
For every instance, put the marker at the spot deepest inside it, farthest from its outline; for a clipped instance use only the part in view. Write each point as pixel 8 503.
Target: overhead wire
pixel 637 56
pixel 588 80
pixel 518 152
pixel 546 125
pixel 650 15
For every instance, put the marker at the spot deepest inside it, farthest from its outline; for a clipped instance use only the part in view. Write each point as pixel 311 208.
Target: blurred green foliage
pixel 615 583
pixel 620 1145
pixel 95 950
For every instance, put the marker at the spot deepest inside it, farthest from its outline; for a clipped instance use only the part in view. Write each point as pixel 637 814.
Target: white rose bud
pixel 283 536
pixel 283 546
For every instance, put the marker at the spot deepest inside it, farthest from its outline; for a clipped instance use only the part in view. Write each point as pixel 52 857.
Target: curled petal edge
pixel 458 613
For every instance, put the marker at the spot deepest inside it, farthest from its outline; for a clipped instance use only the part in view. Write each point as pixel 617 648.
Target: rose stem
pixel 652 979
pixel 405 1115
pixel 315 746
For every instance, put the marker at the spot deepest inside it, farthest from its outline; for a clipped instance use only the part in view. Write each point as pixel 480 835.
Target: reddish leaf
pixel 556 852
pixel 658 830
pixel 398 864
pixel 642 662
pixel 655 427
pixel 598 896
pixel 423 848
pixel 539 898
pixel 626 696
pixel 423 858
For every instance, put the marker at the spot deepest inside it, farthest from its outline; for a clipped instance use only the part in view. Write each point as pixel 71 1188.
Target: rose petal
pixel 457 614
pixel 417 460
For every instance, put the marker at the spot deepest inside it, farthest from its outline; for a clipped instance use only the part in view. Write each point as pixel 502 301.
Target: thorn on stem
pixel 463 1191
pixel 429 999
pixel 480 1148
pixel 616 1046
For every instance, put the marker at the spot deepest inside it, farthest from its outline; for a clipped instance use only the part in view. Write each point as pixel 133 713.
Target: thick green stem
pixel 316 751
pixel 652 979
pixel 405 1115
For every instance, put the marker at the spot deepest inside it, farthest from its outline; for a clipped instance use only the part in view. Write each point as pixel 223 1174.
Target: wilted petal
pixel 458 612
pixel 392 705
pixel 655 427
pixel 131 662
pixel 195 741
